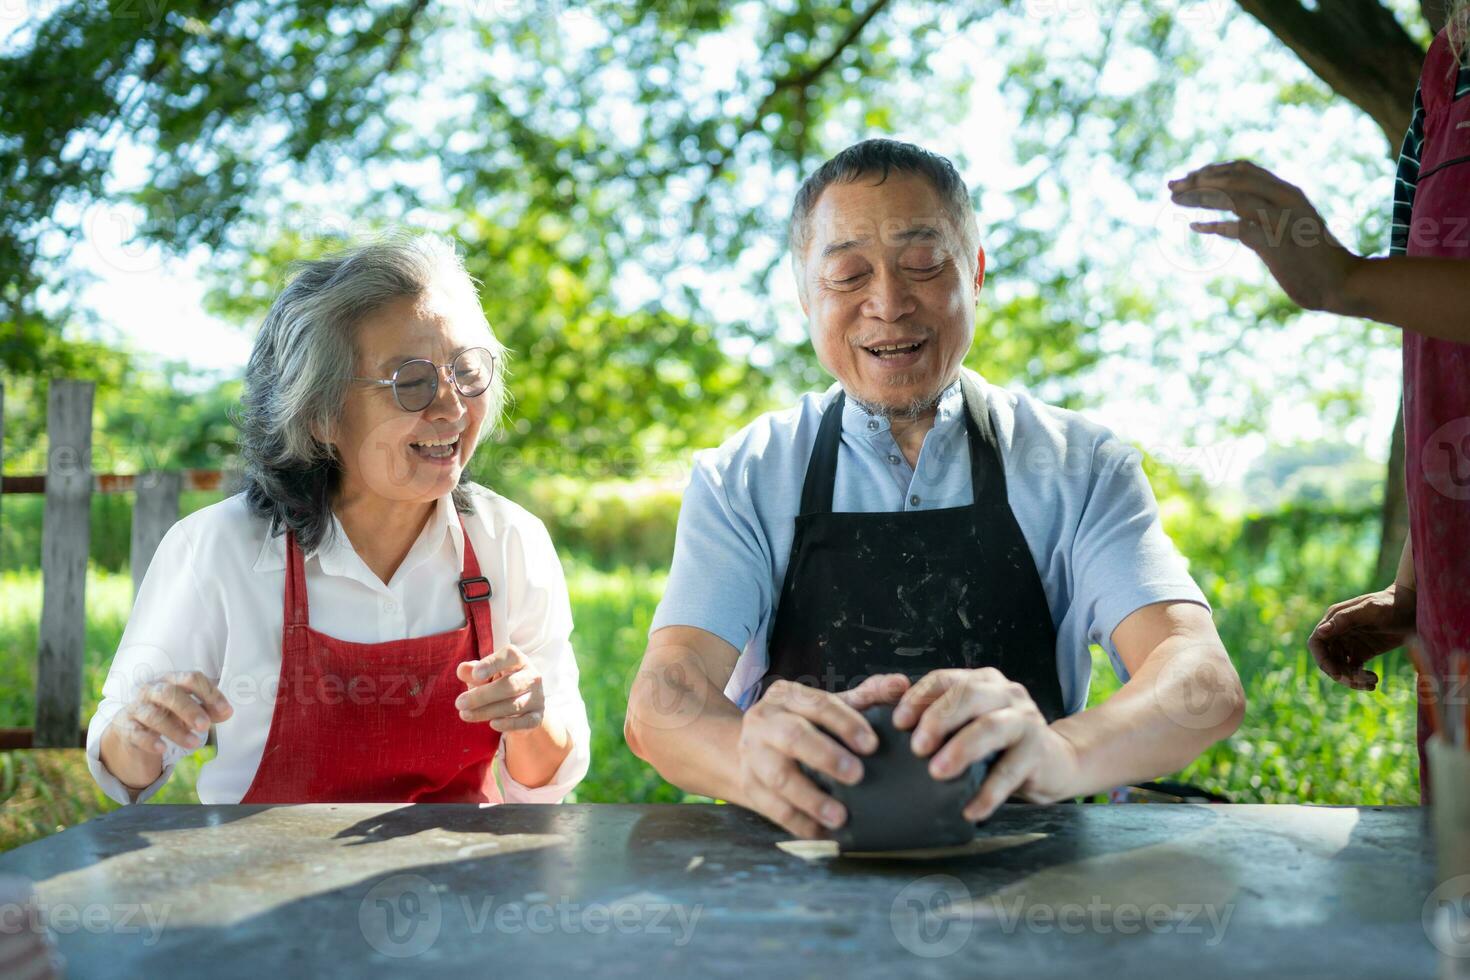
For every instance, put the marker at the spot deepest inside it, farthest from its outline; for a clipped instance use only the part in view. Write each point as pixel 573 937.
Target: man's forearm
pixel 1181 701
pixel 1430 296
pixel 683 725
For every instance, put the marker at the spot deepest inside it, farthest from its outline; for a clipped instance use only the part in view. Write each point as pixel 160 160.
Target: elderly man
pixel 917 535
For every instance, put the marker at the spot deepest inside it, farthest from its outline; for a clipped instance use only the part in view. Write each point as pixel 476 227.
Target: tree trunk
pixel 1436 12
pixel 1358 48
pixel 1395 526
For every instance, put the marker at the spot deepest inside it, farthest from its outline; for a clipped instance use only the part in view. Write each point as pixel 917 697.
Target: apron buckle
pixel 475 589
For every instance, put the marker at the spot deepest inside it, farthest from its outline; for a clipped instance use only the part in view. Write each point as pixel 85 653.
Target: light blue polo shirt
pixel 1078 492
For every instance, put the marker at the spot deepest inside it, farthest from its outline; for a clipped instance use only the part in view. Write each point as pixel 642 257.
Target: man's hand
pixel 1357 630
pixel 1276 221
pixel 791 724
pixel 504 689
pixel 981 712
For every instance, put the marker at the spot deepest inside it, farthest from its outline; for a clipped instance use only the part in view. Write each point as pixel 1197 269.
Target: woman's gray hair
pixel 301 369
pixel 1457 23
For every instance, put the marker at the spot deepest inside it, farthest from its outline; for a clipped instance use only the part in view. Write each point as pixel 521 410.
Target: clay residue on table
pixel 269 859
pixel 824 850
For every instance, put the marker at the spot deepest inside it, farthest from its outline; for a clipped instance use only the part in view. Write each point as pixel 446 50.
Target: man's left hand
pixel 981 712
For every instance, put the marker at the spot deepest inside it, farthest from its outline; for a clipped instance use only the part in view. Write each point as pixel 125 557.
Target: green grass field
pixel 1303 740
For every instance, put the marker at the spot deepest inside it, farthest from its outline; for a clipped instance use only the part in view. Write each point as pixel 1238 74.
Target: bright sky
pixel 154 302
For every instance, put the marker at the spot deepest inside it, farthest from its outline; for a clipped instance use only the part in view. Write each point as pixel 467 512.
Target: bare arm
pixel 1430 296
pixel 1274 219
pixel 1182 696
pixel 1405 577
pixel 1353 632
pixel 180 706
pixel 679 719
pixel 506 689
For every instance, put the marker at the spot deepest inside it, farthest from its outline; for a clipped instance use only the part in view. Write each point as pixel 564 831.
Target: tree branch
pixel 1436 12
pixel 797 81
pixel 405 34
pixel 1358 48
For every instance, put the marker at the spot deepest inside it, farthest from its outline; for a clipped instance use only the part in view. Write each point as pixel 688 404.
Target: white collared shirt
pixel 213 601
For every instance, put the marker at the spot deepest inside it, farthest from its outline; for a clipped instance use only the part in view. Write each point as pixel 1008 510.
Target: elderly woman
pixel 362 623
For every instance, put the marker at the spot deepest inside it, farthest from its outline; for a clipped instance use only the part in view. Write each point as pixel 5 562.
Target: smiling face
pixel 385 451
pixel 888 287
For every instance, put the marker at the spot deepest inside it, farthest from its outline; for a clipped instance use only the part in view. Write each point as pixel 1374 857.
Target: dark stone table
pixel 650 891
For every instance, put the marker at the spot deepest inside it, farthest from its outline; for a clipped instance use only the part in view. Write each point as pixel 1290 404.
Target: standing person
pixel 434 652
pixel 1424 288
pixel 917 534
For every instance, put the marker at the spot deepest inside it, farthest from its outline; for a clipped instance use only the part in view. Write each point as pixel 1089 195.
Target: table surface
pixel 655 890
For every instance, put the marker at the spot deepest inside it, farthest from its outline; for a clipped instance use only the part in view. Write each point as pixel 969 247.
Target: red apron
pixel 376 722
pixel 1437 389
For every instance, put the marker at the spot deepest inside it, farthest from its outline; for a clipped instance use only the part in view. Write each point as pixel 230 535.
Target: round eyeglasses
pixel 416 383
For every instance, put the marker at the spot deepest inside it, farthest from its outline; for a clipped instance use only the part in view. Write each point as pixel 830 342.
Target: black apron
pixel 913 591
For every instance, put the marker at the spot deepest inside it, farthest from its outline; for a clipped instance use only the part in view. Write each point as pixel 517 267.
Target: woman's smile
pixel 439 451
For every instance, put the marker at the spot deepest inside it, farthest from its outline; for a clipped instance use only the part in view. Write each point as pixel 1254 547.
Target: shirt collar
pixel 336 554
pixel 858 421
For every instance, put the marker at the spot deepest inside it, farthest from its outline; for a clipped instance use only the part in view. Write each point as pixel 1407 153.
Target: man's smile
pixel 896 353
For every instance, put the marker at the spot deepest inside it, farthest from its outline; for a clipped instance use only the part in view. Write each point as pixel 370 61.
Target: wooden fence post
pixel 65 536
pixel 155 510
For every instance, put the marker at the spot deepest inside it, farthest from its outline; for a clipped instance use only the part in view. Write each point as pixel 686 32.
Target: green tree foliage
pixel 601 161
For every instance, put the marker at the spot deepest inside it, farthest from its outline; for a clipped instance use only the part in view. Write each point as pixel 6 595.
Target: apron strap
pixel 821 468
pixel 297 614
pixel 987 475
pixel 475 591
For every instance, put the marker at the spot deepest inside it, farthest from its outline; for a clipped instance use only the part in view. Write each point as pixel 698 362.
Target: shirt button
pixel 390 606
pixel 873 425
pixel 894 459
pixel 914 500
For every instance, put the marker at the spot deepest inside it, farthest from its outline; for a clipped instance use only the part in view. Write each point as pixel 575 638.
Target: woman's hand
pixel 1357 630
pixel 504 689
pixel 1276 221
pixel 179 706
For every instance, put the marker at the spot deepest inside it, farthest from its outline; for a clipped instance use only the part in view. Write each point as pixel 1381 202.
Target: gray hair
pixel 1457 23
pixel 301 369
pixel 880 157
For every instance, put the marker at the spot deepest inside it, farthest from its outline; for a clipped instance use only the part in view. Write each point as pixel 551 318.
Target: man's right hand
pixel 793 723
pixel 1357 630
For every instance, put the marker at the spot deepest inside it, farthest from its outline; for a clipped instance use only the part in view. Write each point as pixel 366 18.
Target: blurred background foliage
pixel 618 173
